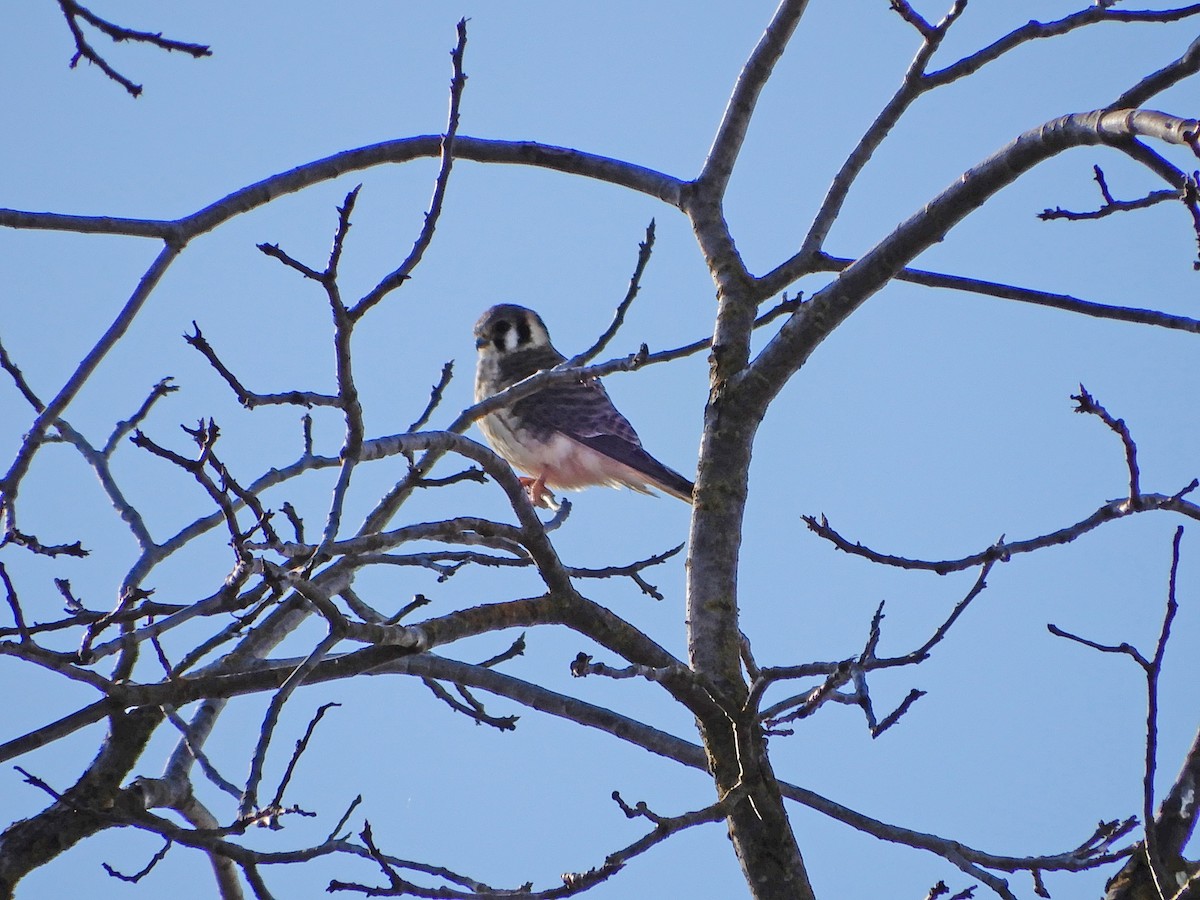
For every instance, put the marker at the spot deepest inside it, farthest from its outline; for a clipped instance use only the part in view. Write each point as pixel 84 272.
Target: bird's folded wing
pixel 632 455
pixel 577 409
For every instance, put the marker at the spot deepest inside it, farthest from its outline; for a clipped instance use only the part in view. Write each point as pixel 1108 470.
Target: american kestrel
pixel 568 435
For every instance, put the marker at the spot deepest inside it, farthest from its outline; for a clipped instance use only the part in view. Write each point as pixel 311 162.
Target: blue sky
pixel 928 425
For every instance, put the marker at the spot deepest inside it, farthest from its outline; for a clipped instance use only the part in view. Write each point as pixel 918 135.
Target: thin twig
pixel 435 397
pixel 36 434
pixel 124 427
pixel 1111 205
pixel 14 604
pixel 249 800
pixel 474 711
pixel 252 399
pixel 645 248
pixel 145 870
pixel 198 754
pixel 1152 669
pixel 1087 404
pixel 1003 551
pixel 1050 299
pixel 396 278
pixel 72 11
pixel 301 745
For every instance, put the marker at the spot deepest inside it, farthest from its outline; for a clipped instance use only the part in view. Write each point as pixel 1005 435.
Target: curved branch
pixel 1003 551
pixel 1035 30
pixel 526 153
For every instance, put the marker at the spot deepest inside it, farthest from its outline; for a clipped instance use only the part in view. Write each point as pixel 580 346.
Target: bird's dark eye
pixel 502 328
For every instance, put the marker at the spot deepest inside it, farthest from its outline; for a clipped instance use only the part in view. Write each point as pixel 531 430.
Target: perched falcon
pixel 566 436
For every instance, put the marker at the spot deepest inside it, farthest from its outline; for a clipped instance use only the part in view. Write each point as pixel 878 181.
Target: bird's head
pixel 507 329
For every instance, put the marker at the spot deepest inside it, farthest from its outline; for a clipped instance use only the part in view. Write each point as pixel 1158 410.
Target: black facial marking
pixel 498 331
pixel 524 332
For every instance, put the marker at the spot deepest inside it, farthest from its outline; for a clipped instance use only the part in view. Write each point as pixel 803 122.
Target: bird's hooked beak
pixel 481 342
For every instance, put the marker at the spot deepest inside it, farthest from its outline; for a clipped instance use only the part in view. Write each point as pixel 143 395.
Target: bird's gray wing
pixel 580 410
pixel 583 412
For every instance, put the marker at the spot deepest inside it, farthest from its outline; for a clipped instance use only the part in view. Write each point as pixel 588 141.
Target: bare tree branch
pixel 400 275
pixel 645 248
pixel 223 632
pixel 10 483
pixel 732 132
pixel 73 11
